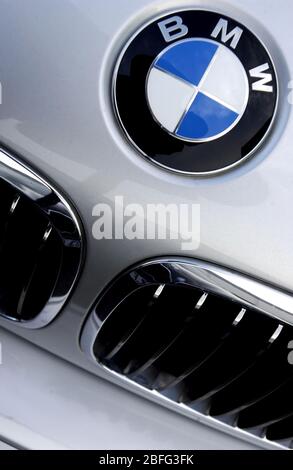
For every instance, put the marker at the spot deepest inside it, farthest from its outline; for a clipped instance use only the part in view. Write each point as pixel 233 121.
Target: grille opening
pixel 197 347
pixel 40 248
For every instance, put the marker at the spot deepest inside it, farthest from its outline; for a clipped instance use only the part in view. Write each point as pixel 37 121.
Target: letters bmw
pixel 195 92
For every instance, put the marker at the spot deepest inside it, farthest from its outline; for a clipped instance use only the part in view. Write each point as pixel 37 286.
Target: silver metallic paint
pixel 57 58
pixel 48 403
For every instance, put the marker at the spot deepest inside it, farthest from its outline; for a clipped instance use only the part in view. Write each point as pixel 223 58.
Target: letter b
pixel 173 28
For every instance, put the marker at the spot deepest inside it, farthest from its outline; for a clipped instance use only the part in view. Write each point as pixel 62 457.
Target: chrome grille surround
pixel 61 222
pixel 252 295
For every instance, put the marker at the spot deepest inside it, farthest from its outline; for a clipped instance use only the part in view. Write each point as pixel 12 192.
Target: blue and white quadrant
pixel 197 89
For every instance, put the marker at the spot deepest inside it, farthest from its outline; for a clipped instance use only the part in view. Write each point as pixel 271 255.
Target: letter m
pixel 222 28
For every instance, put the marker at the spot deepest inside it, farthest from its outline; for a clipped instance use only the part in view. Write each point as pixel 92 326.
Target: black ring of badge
pixel 151 139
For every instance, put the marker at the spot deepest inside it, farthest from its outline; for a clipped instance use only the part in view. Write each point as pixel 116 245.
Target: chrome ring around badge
pixel 195 92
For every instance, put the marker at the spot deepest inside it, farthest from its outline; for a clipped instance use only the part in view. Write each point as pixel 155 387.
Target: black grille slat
pixel 7 208
pixel 31 274
pixel 8 196
pixel 123 322
pixel 19 252
pixel 274 407
pixel 247 342
pixel 196 342
pixel 281 430
pixel 182 321
pixel 48 265
pixel 266 375
pixel 157 329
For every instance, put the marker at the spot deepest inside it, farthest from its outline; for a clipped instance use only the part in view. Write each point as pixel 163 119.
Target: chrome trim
pixel 239 316
pixel 201 301
pixel 27 182
pixel 208 277
pixel 6 444
pixel 276 333
pixel 159 291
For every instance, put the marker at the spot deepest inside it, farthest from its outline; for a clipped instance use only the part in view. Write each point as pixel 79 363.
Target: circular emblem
pixel 195 92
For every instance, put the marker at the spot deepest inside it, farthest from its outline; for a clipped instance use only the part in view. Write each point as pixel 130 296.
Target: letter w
pixel 259 72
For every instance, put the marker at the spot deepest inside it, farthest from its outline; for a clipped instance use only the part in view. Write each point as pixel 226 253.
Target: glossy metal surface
pixel 56 69
pixel 4 446
pixel 47 403
pixel 233 285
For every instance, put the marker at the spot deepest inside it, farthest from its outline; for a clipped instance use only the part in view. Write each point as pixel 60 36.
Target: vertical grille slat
pixel 196 342
pixel 249 339
pixel 19 252
pixel 269 371
pixel 8 203
pixel 281 430
pixel 123 322
pixel 185 301
pixel 158 328
pixel 274 407
pixel 27 283
pixel 40 246
pixel 186 333
pixel 8 196
pixel 48 264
